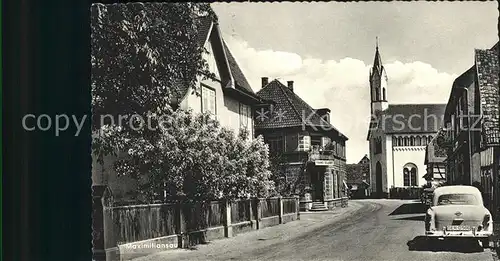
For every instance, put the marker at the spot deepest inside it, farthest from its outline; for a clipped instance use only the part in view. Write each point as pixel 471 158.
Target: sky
pixel 328 48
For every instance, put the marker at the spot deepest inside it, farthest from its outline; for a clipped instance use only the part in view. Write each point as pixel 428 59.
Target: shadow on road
pixel 409 208
pixel 413 218
pixel 421 243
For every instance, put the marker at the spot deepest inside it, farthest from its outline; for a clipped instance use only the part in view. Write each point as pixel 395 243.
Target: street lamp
pixel 468 132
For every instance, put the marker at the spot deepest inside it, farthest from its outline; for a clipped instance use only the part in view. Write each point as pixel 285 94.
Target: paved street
pixel 382 230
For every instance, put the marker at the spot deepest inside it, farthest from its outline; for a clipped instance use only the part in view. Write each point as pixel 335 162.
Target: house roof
pixel 464 80
pixel 410 118
pixel 487 76
pixel 365 160
pixel 206 27
pixel 434 153
pixel 288 110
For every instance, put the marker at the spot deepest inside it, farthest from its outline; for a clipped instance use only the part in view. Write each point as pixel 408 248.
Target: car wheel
pixel 485 242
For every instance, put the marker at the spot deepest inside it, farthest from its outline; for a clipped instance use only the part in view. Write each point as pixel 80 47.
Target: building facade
pixel 227 96
pixel 472 123
pixel 435 161
pixel 397 136
pixel 313 151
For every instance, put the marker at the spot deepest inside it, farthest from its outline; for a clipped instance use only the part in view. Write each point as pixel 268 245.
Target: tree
pixel 199 160
pixel 140 53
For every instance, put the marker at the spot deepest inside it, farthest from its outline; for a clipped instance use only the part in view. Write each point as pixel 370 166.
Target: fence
pixel 122 232
pixel 405 193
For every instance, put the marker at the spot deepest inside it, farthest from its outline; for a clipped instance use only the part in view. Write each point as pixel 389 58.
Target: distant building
pixel 435 161
pixel 313 151
pixel 357 177
pixel 398 135
pixel 475 93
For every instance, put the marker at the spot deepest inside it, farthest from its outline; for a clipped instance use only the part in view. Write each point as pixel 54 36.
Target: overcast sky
pixel 327 49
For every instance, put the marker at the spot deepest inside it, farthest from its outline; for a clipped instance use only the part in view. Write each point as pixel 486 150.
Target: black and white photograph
pixel 343 131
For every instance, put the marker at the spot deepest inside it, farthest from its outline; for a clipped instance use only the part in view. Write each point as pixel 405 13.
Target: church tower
pixel 378 84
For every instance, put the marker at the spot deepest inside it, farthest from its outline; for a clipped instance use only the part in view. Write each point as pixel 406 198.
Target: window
pixel 410 175
pixel 208 100
pixel 457 199
pixel 315 140
pixel 406 141
pixel 400 141
pixel 412 141
pixel 377 95
pixel 304 142
pixel 276 144
pixel 418 141
pixel 383 92
pixel 378 145
pixel 325 141
pixel 245 115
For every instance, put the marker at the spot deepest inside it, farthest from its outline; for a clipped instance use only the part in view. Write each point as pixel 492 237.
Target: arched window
pixel 429 139
pixel 410 175
pixel 406 141
pixel 424 141
pixel 400 141
pixel 394 141
pixel 412 141
pixel 377 94
pixel 383 93
pixel 418 141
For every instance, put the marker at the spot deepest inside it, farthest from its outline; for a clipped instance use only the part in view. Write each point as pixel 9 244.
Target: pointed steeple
pixel 377 62
pixel 378 83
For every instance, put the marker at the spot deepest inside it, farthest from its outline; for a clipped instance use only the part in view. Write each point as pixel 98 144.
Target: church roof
pixel 410 118
pixel 292 110
pixel 377 62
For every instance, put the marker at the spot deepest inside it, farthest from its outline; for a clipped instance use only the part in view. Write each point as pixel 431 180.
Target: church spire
pixel 378 83
pixel 377 63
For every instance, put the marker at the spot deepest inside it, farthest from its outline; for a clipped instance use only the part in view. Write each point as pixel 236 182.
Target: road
pixel 378 230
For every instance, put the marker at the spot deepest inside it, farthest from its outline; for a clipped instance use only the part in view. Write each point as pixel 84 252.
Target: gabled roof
pixel 291 110
pixel 487 75
pixel 207 27
pixel 365 160
pixel 464 80
pixel 410 118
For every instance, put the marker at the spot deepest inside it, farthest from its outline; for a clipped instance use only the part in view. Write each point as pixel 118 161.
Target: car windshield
pixel 457 199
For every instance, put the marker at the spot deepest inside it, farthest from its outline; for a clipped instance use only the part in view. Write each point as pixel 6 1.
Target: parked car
pixel 458 212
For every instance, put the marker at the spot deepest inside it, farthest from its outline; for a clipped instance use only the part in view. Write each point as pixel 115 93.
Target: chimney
pixel 324 113
pixel 290 85
pixel 265 81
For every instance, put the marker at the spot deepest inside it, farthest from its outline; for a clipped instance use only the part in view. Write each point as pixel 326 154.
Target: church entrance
pixel 378 179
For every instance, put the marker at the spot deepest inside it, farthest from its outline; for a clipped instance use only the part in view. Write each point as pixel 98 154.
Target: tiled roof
pixel 289 110
pixel 365 160
pixel 487 75
pixel 464 80
pixel 410 118
pixel 239 78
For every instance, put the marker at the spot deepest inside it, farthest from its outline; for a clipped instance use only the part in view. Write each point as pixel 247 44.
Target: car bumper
pixel 459 234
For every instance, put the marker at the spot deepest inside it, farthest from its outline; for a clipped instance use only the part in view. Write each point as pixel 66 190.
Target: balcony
pixel 322 156
pixel 316 154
